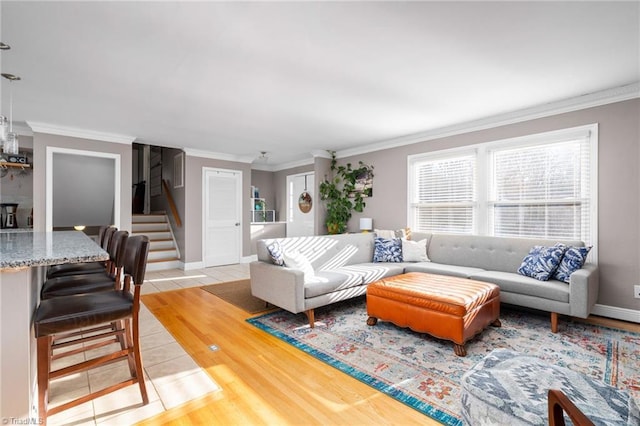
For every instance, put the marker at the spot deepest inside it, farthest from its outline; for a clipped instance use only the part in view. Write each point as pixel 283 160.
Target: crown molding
pixel 53 129
pixel 590 100
pixel 219 155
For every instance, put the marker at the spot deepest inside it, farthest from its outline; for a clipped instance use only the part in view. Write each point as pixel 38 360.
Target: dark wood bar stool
pixel 104 238
pixel 109 279
pixel 71 315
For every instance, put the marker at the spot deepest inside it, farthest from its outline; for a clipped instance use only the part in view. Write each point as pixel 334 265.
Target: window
pixel 542 186
pixel 445 193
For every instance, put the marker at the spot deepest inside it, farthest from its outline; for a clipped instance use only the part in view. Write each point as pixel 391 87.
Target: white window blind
pixel 541 191
pixel 537 186
pixel 445 194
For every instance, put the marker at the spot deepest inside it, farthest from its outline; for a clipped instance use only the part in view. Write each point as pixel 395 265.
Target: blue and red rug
pixel 424 373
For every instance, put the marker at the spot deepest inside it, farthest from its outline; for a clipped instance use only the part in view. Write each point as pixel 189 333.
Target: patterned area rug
pixel 424 373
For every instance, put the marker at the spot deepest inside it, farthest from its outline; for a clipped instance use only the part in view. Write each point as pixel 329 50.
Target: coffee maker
pixel 8 217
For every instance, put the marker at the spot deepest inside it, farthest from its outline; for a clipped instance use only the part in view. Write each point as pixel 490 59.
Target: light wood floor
pixel 266 381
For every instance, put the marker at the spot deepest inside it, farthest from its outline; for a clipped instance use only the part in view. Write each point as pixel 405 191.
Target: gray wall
pixel 40 143
pixel 193 204
pixel 618 187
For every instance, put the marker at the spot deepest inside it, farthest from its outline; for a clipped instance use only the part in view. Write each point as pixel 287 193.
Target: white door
pixel 222 205
pixel 300 218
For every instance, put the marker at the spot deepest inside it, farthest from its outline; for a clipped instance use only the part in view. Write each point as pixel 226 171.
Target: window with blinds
pixel 445 194
pixel 538 186
pixel 541 191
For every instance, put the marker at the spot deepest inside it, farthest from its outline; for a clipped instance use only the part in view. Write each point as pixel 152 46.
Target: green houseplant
pixel 344 192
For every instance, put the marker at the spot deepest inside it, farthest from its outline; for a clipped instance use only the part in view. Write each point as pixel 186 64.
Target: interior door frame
pixel 204 209
pixel 289 205
pixel 49 181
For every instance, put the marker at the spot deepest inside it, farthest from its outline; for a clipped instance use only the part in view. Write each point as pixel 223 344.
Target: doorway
pixel 221 216
pixel 82 189
pixel 301 204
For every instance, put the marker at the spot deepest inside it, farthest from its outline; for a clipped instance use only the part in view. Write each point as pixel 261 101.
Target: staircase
pixel 163 251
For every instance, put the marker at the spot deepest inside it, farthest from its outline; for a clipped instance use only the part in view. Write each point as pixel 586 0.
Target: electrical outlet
pixel 636 291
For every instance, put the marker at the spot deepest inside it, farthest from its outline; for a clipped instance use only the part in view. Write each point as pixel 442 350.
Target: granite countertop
pixel 24 249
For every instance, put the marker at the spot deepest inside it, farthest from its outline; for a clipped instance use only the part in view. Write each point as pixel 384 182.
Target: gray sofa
pixel 343 268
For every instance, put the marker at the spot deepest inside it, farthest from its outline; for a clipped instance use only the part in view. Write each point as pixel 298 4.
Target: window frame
pixel 484 175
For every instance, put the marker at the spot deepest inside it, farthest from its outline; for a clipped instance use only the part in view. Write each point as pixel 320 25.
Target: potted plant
pixel 344 193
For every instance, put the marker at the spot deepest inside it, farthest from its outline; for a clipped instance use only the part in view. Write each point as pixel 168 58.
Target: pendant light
pixel 4 123
pixel 11 141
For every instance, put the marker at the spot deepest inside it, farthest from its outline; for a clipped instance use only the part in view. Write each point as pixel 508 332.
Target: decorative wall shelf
pixel 7 165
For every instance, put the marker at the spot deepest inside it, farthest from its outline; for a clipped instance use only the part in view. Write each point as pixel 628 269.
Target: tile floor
pixel 171 375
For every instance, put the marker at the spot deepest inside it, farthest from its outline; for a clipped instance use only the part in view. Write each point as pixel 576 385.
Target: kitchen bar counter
pixel 24 256
pixel 23 249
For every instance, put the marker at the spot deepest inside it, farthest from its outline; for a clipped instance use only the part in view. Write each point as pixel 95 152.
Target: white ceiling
pixel 293 77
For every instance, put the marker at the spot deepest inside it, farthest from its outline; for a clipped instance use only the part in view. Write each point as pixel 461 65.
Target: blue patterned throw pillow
pixel 541 262
pixel 573 259
pixel 276 253
pixel 387 250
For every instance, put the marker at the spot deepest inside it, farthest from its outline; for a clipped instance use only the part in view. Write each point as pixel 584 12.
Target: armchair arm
pixel 558 404
pixel 278 285
pixel 583 290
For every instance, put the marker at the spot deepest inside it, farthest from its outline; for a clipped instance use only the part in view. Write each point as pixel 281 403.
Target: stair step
pixel 162 254
pixel 160 265
pixel 165 259
pixel 149 227
pixel 145 218
pixel 161 244
pixel 155 236
pixel 162 251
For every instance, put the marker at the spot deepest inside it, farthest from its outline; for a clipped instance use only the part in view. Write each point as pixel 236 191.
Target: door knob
pixel 237 223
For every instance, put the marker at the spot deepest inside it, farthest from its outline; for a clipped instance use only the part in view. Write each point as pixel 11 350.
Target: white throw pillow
pixel 296 260
pixel 414 251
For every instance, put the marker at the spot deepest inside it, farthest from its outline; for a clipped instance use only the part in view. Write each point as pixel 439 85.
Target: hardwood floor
pixel 264 380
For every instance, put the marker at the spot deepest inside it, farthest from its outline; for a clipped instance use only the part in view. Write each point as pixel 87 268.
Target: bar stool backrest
pixel 135 258
pixel 116 252
pixel 101 232
pixel 108 233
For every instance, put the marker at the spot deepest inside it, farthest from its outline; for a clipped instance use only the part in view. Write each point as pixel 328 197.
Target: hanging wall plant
pixel 345 192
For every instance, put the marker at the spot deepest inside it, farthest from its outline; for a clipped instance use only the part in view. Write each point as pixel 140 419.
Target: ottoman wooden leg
pixel 372 321
pixel 459 350
pixel 496 323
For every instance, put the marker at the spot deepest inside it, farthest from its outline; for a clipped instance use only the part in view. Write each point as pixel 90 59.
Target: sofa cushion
pixel 519 284
pixel 376 271
pixel 387 250
pixel 414 251
pixel 541 262
pixel 328 281
pixel 276 253
pixel 442 269
pixel 296 260
pixel 572 260
pixel 484 252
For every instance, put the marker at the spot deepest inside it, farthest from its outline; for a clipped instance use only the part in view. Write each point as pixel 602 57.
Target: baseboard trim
pixel 192 265
pixel 624 314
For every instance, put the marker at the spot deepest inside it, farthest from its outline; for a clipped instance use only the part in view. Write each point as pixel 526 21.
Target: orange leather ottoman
pixel 446 307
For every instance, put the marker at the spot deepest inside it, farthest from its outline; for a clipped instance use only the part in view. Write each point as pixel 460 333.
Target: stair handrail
pixel 172 204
